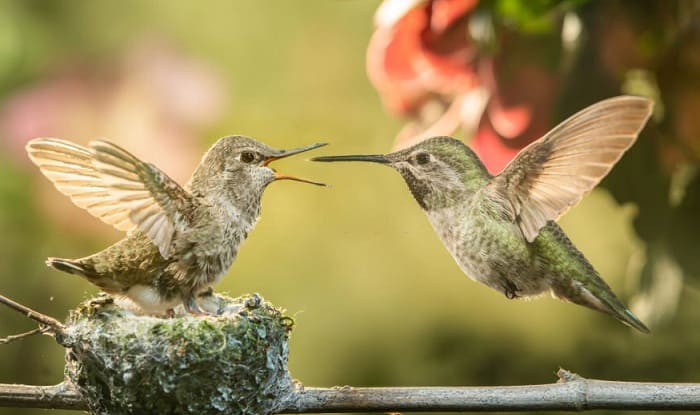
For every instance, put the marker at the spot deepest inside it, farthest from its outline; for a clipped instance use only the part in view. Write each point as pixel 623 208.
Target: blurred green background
pixel 377 299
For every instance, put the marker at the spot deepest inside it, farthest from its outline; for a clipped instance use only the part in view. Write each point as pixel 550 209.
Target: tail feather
pixel 613 306
pixel 630 319
pixel 607 302
pixel 85 268
pixel 599 297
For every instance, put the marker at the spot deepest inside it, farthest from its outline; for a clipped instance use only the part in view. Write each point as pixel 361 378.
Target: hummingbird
pixel 501 229
pixel 180 240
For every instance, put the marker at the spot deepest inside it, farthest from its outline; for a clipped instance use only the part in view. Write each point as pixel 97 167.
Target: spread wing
pixel 553 173
pixel 115 186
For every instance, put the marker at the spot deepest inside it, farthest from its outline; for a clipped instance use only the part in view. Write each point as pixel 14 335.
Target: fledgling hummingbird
pixel 180 240
pixel 500 229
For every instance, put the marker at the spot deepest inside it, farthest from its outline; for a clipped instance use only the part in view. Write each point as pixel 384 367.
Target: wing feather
pixel 70 168
pixel 553 173
pixel 114 186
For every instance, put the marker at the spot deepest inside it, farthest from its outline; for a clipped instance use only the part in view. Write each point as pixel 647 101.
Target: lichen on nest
pixel 234 363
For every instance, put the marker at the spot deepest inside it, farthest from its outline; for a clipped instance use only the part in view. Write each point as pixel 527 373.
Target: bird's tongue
pixel 279 176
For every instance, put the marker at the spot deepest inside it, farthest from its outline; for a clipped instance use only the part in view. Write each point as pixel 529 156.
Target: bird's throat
pixel 419 189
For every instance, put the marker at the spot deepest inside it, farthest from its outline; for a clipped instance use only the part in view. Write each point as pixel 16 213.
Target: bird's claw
pixel 201 313
pixel 206 293
pixel 193 308
pixel 102 299
pixel 510 290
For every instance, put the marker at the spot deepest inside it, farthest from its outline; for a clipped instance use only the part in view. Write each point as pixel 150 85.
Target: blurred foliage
pixel 378 300
pixel 530 16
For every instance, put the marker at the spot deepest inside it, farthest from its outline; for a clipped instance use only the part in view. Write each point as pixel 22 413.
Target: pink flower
pixel 155 105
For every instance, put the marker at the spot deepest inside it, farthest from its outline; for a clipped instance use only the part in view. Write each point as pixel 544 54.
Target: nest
pixel 234 363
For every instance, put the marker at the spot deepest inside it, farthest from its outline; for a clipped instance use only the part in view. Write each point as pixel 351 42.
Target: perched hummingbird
pixel 500 229
pixel 180 240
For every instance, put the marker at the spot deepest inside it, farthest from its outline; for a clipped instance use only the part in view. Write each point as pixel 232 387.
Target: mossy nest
pixel 234 363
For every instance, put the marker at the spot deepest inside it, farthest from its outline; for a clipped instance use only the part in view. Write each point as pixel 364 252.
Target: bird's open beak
pixel 372 158
pixel 286 153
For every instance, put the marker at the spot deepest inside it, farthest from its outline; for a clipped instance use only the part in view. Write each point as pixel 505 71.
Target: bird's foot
pixel 510 290
pixel 201 313
pixel 193 308
pixel 206 293
pixel 197 311
pixel 102 299
pixel 209 302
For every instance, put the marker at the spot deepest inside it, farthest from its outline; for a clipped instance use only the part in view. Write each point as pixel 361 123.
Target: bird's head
pixel 235 163
pixel 439 171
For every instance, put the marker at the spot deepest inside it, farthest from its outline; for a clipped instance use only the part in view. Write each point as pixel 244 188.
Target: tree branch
pixel 56 326
pixel 61 396
pixel 14 337
pixel 571 393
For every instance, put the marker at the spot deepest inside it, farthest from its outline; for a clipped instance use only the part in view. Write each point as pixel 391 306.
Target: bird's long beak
pixel 286 153
pixel 372 158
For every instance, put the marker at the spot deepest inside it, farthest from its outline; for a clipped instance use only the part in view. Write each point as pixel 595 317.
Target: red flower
pixel 427 67
pixel 518 112
pixel 424 52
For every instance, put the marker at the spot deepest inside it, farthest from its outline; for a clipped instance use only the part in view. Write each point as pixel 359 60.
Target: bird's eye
pixel 248 157
pixel 422 158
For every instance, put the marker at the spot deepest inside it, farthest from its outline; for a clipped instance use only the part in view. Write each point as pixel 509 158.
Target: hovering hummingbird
pixel 500 229
pixel 180 240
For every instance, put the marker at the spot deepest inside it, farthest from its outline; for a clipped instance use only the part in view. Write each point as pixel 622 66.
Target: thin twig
pixel 15 337
pixel 571 393
pixel 56 326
